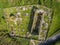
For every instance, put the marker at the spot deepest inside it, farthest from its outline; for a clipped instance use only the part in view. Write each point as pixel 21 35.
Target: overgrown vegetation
pixel 53 4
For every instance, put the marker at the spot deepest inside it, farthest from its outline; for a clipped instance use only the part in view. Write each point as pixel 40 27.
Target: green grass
pixel 58 43
pixel 54 5
pixel 6 40
pixel 56 19
pixel 12 3
pixel 25 19
pixel 2 20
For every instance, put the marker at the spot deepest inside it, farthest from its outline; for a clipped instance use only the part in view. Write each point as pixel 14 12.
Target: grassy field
pixel 6 40
pixel 22 25
pixel 54 4
pixel 55 26
pixel 12 3
pixel 48 3
pixel 3 25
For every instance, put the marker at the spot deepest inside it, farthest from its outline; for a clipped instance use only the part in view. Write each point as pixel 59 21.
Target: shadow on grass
pixel 39 2
pixel 31 18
